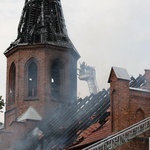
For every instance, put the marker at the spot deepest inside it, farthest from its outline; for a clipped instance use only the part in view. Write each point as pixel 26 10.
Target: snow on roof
pixel 30 114
pixel 120 73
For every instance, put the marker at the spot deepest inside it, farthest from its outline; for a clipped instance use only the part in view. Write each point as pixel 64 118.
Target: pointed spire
pixel 42 21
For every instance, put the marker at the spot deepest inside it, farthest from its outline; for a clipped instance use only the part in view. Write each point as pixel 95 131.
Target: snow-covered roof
pixel 30 114
pixel 121 73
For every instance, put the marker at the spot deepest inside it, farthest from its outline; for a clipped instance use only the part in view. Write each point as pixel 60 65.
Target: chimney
pixel 147 78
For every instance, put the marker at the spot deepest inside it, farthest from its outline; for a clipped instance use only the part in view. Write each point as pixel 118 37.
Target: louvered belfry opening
pixel 42 21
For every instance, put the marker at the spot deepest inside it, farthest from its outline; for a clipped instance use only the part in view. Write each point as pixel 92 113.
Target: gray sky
pixel 106 33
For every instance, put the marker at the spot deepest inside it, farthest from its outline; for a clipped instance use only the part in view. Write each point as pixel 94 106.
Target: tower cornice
pixel 47 46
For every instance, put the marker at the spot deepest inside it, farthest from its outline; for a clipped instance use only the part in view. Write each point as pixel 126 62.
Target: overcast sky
pixel 106 33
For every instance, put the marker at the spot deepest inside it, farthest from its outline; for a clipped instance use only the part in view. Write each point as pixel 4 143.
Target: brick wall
pixel 44 55
pixel 129 106
pixel 119 93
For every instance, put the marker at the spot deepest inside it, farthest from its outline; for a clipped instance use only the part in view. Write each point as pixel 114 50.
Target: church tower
pixel 41 62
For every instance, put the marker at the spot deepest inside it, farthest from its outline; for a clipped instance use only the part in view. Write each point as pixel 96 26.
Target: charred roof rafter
pixel 42 21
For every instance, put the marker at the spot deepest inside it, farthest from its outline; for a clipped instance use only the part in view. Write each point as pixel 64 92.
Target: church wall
pixel 44 56
pixel 22 102
pixel 119 101
pixel 137 108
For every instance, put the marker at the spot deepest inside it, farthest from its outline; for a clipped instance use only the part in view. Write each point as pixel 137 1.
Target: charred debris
pixel 42 21
pixel 60 127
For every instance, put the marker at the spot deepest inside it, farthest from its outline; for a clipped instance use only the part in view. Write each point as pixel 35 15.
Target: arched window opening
pixel 56 80
pixel 32 79
pixel 12 83
pixel 139 115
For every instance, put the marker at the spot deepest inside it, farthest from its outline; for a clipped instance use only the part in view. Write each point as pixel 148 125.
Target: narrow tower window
pixel 12 83
pixel 56 72
pixel 32 79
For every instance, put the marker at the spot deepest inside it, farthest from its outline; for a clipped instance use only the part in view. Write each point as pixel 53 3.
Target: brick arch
pixel 31 78
pixel 57 79
pixel 32 59
pixel 140 115
pixel 12 83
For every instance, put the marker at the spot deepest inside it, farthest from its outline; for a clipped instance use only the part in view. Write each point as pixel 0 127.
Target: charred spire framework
pixel 42 21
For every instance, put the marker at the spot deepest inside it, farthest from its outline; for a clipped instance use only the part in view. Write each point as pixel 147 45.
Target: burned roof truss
pixel 42 21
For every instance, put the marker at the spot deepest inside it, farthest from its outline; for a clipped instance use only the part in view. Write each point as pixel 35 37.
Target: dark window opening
pixel 12 83
pixel 32 80
pixel 55 80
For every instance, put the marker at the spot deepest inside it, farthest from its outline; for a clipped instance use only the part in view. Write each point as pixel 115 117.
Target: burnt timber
pixel 42 21
pixel 60 125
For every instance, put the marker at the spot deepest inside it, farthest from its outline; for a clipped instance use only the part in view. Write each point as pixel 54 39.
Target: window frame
pixel 27 65
pixel 60 83
pixel 12 84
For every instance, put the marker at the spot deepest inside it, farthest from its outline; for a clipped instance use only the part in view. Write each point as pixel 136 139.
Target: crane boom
pixel 88 74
